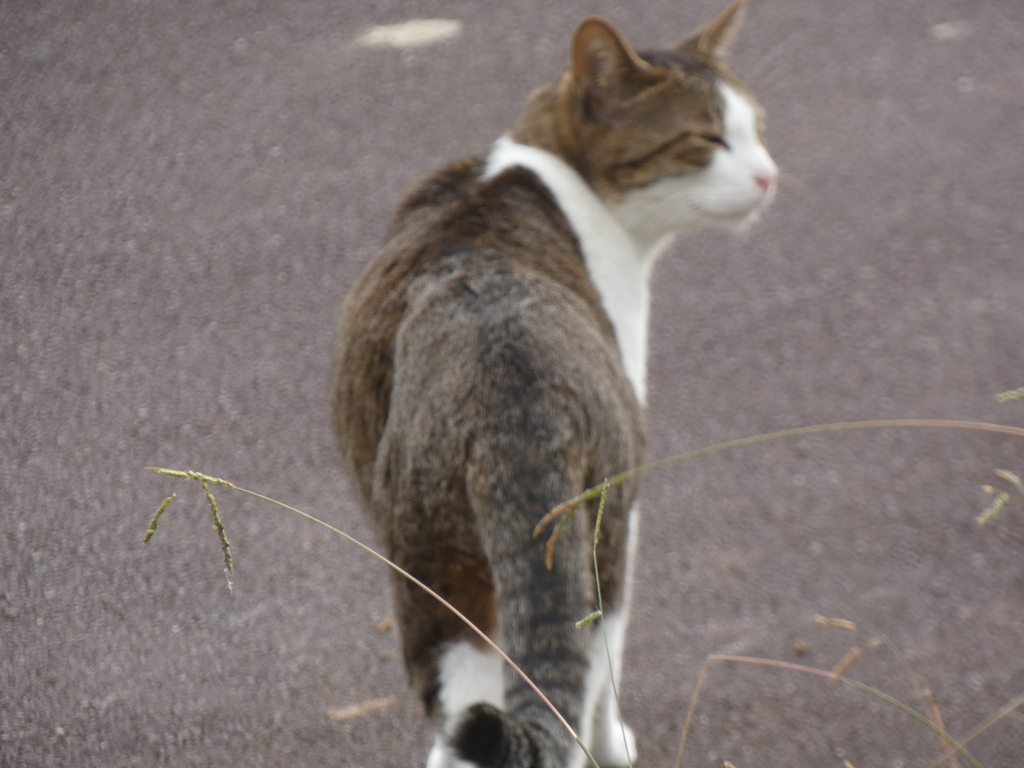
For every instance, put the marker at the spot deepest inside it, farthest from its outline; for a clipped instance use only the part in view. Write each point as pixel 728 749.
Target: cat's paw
pixel 439 756
pixel 614 746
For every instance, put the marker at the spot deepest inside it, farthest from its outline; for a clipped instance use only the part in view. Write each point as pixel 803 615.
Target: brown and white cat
pixel 491 363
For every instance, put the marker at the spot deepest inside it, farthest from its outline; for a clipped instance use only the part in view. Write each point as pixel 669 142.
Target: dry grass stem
pixel 549 549
pixel 1010 477
pixel 359 710
pixel 1010 710
pixel 846 661
pixel 835 623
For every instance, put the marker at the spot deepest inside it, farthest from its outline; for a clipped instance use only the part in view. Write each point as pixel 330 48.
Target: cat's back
pixel 480 295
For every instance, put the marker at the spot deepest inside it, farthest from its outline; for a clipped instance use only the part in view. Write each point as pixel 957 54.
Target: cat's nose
pixel 766 180
pixel 764 170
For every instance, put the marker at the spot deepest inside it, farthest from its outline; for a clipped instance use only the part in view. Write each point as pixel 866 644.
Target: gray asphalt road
pixel 188 189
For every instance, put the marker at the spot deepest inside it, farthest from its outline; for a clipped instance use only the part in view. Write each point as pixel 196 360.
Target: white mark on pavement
pixel 951 30
pixel 411 34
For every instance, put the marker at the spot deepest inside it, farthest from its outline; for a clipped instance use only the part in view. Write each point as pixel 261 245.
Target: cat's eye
pixel 716 139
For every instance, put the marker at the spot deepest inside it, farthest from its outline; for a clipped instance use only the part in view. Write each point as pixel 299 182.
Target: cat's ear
pixel 608 70
pixel 716 37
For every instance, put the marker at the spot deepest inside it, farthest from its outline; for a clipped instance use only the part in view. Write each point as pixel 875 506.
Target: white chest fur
pixel 619 269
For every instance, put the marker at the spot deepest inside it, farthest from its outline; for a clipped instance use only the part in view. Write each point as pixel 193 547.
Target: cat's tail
pixel 538 607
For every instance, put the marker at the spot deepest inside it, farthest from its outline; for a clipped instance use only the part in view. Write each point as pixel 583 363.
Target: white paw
pixel 438 757
pixel 614 745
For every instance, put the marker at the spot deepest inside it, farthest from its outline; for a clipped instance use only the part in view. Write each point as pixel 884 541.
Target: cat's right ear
pixel 608 70
pixel 715 38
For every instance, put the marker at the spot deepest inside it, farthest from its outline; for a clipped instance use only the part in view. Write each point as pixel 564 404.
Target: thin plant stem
pixel 820 673
pixel 984 726
pixel 689 712
pixel 923 691
pixel 595 491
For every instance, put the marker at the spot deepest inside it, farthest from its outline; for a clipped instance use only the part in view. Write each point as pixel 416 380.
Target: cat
pixel 491 363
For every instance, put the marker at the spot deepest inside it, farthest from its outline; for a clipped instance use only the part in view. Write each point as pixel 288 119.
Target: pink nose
pixel 766 181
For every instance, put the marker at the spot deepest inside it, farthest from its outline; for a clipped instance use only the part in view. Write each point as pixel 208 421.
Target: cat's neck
pixel 619 263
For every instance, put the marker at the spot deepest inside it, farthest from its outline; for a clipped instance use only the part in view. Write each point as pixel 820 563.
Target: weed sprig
pixel 1002 497
pixel 1013 394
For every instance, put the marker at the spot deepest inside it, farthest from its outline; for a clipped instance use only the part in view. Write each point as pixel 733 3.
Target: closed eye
pixel 715 139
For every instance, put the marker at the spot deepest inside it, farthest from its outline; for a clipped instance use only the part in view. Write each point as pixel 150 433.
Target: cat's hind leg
pixel 449 669
pixel 610 740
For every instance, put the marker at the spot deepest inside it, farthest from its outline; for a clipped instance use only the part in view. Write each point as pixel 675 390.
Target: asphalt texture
pixel 187 191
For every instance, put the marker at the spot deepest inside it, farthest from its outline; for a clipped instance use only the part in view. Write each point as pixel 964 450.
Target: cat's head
pixel 670 140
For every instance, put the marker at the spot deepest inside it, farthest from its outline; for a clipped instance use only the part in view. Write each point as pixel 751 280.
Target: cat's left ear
pixel 608 69
pixel 716 37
